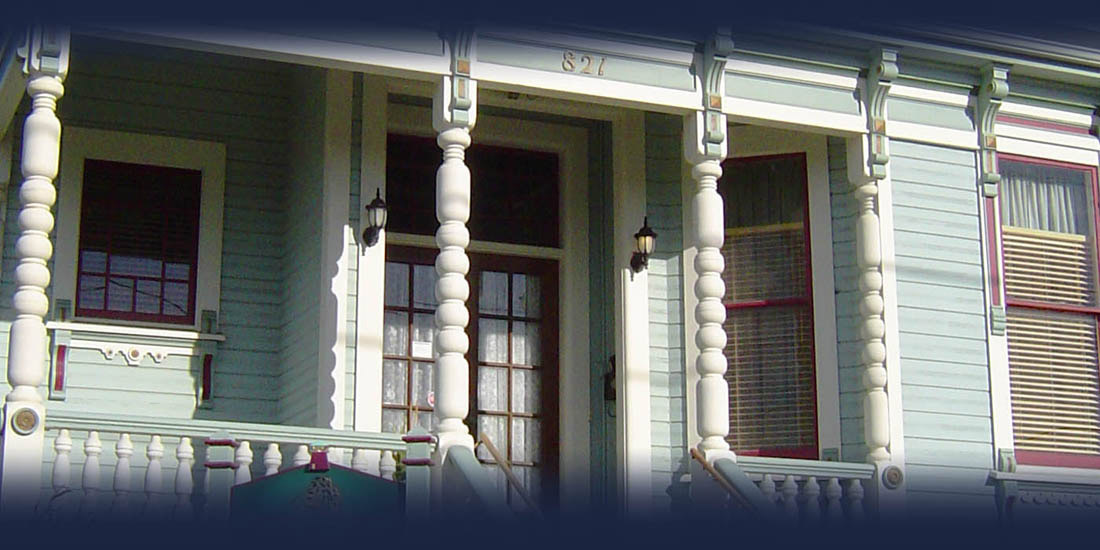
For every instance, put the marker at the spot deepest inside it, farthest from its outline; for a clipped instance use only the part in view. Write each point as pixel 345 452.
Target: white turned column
pixel 387 466
pixel 711 391
pixel 23 440
pixel 154 478
pixel 811 498
pixel 360 462
pixel 62 468
pixel 273 458
pixel 185 455
pixel 872 329
pixel 834 511
pixel 89 479
pixel 855 499
pixel 301 456
pixel 452 373
pixel 243 459
pixel 124 449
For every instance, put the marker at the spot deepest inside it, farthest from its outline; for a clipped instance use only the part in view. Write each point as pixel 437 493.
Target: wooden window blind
pixel 769 319
pixel 1049 255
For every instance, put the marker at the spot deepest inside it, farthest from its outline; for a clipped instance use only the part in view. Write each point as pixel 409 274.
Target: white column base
pixel 21 460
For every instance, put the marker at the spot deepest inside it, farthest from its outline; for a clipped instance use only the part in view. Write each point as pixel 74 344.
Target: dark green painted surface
pixel 338 493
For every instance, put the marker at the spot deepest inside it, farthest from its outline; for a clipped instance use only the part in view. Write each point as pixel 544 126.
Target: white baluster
pixel 185 454
pixel 359 461
pixel 387 466
pixel 789 489
pixel 811 496
pixel 124 449
pixel 62 469
pixel 834 512
pixel 767 486
pixel 301 456
pixel 244 463
pixel 855 499
pixel 273 458
pixel 93 447
pixel 154 481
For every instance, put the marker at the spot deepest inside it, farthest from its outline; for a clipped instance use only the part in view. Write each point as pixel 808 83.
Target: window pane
pixel 424 277
pixel 93 262
pixel 130 265
pixel 396 333
pixel 120 294
pixel 525 343
pixel 494 293
pixel 1044 197
pixel 92 291
pixel 423 385
pixel 393 421
pixel 394 381
pixel 525 440
pixel 492 337
pixel 179 272
pixel 175 298
pixel 397 284
pixel 423 330
pixel 426 420
pixel 496 428
pixel 492 388
pixel 525 295
pixel 525 391
pixel 148 296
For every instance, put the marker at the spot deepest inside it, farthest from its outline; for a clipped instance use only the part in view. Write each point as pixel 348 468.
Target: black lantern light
pixel 645 241
pixel 376 219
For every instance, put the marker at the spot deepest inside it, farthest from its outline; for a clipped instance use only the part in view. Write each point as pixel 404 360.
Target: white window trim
pixel 78 144
pixel 1040 144
pixel 751 141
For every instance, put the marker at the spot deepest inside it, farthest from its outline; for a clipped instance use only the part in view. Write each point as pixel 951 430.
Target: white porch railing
pixel 810 491
pixel 152 468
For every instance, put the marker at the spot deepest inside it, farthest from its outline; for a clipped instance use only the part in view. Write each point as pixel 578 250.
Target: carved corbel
pixel 994 88
pixel 880 76
pixel 458 91
pixel 45 51
pixel 707 134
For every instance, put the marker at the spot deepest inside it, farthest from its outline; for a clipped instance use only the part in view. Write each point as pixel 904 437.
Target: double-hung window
pixel 1048 234
pixel 769 307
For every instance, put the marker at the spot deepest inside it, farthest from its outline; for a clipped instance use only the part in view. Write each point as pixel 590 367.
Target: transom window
pixel 139 239
pixel 769 307
pixel 1048 234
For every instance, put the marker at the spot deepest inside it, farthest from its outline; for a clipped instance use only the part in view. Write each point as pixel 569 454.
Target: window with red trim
pixel 1048 240
pixel 769 307
pixel 139 239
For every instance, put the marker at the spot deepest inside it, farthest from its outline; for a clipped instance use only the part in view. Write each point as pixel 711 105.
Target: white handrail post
pixel 220 450
pixel 124 449
pixel 62 472
pixel 185 455
pixel 273 458
pixel 90 476
pixel 244 463
pixel 154 481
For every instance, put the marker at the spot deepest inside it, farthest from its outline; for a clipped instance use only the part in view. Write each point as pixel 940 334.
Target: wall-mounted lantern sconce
pixel 376 219
pixel 645 241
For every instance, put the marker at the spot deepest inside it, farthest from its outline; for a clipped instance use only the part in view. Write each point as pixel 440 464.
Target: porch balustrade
pixel 810 491
pixel 134 467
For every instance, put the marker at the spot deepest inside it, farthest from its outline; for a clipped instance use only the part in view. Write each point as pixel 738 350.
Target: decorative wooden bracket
pixel 460 94
pixel 880 77
pixel 994 88
pixel 715 52
pixel 45 51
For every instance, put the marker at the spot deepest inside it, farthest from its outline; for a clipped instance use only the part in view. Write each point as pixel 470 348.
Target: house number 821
pixel 584 64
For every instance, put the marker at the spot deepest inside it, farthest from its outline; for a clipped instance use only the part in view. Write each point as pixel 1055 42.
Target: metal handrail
pixel 733 492
pixel 508 474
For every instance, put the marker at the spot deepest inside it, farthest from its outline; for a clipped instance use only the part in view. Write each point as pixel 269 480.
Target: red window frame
pixel 1046 458
pixel 809 452
pixel 149 175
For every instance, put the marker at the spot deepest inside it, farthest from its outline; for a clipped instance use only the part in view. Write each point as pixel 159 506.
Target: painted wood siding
pixel 845 278
pixel 301 267
pixel 353 252
pixel 668 422
pixel 236 101
pixel 941 319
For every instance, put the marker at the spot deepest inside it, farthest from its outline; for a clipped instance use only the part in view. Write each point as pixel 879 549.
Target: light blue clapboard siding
pixel 845 275
pixel 301 267
pixel 353 252
pixel 236 101
pixel 941 323
pixel 666 306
